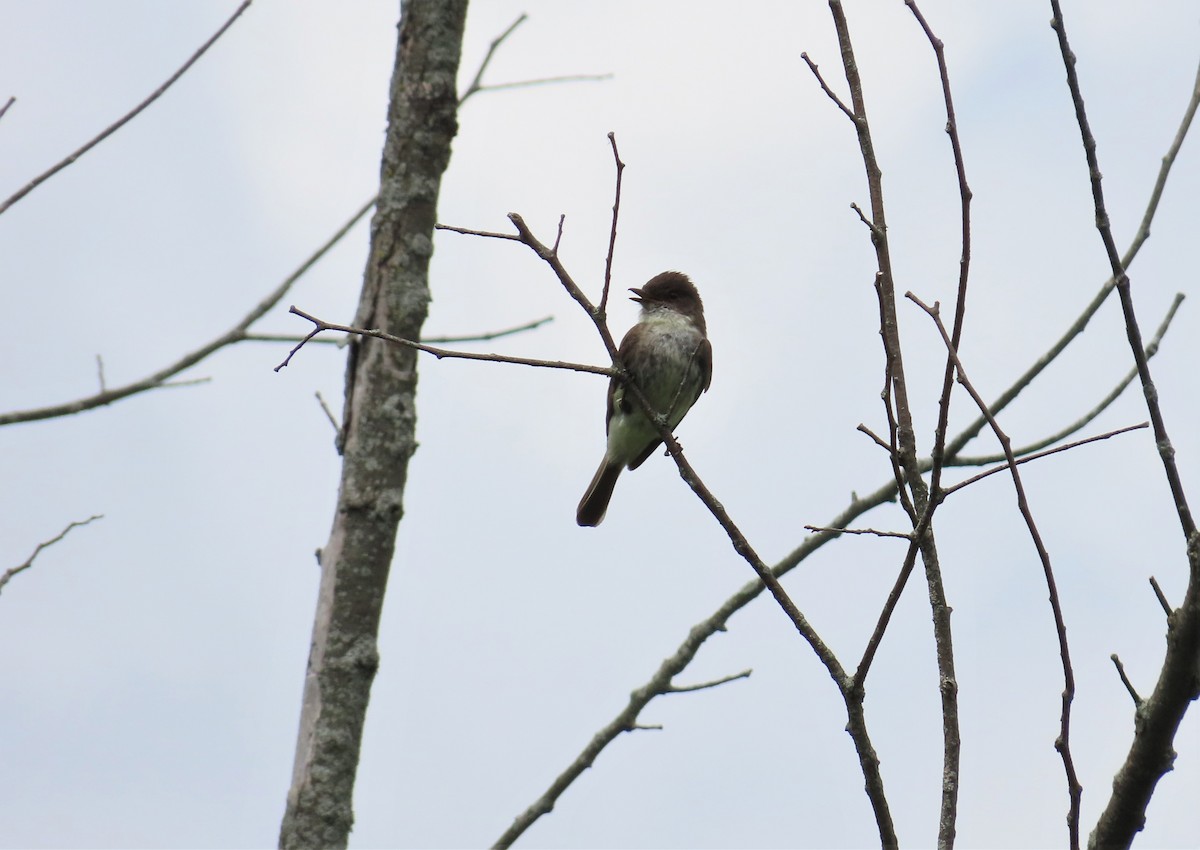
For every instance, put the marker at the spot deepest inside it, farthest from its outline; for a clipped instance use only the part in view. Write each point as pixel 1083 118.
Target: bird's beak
pixel 637 294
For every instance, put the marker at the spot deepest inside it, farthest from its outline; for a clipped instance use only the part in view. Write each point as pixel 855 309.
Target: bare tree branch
pixel 903 535
pixel 125 119
pixel 20 568
pixel 7 104
pixel 1133 694
pixel 545 81
pixel 955 446
pixel 337 428
pixel 841 104
pixel 320 325
pixel 476 82
pixel 1163 441
pixel 429 340
pixel 477 85
pixel 1151 753
pixel 161 378
pixel 703 686
pixel 1083 421
pixel 612 233
pixel 1063 742
pixel 485 233
pixel 1162 597
pixel 1026 458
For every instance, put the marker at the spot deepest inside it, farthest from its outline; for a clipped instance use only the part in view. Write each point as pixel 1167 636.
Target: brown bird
pixel 668 355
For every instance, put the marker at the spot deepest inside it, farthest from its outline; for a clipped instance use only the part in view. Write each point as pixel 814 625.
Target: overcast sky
pixel 153 661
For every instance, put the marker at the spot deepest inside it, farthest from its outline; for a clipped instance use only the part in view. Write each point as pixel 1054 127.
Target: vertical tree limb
pixel 904 440
pixel 1157 718
pixel 378 430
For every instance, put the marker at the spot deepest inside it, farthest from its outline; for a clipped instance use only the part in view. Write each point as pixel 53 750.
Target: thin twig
pixel 1038 455
pixel 477 85
pixel 903 535
pixel 337 429
pixel 430 340
pixel 948 815
pixel 476 82
pixel 320 326
pixel 161 378
pixel 125 119
pixel 100 372
pixel 955 446
pixel 879 441
pixel 964 264
pixel 702 686
pixel 11 100
pixel 1083 421
pixel 546 81
pixel 562 220
pixel 1063 743
pixel 12 571
pixel 1162 597
pixel 468 232
pixel 612 233
pixel 525 236
pixel 812 66
pixel 889 606
pixel 1137 700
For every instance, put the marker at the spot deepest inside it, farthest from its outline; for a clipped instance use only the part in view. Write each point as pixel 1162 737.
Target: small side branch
pixel 477 85
pixel 430 340
pixel 1037 455
pixel 1162 597
pixel 612 233
pixel 1083 421
pixel 466 231
pixel 20 568
pixel 337 429
pixel 702 686
pixel 320 326
pixel 816 72
pixel 1137 700
pixel 821 529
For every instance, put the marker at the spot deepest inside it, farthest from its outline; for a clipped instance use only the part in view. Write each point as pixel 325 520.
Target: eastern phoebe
pixel 668 355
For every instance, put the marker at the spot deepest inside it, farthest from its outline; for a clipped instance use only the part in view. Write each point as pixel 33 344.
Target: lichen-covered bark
pixel 378 427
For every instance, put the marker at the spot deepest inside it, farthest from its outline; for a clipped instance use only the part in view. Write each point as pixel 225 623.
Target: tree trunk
pixel 378 427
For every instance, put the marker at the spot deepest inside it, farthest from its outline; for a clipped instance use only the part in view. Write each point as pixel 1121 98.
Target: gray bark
pixel 378 427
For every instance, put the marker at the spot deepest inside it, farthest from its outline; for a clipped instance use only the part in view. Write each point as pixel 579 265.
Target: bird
pixel 668 355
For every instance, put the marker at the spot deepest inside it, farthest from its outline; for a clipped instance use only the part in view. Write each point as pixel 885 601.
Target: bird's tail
pixel 594 503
